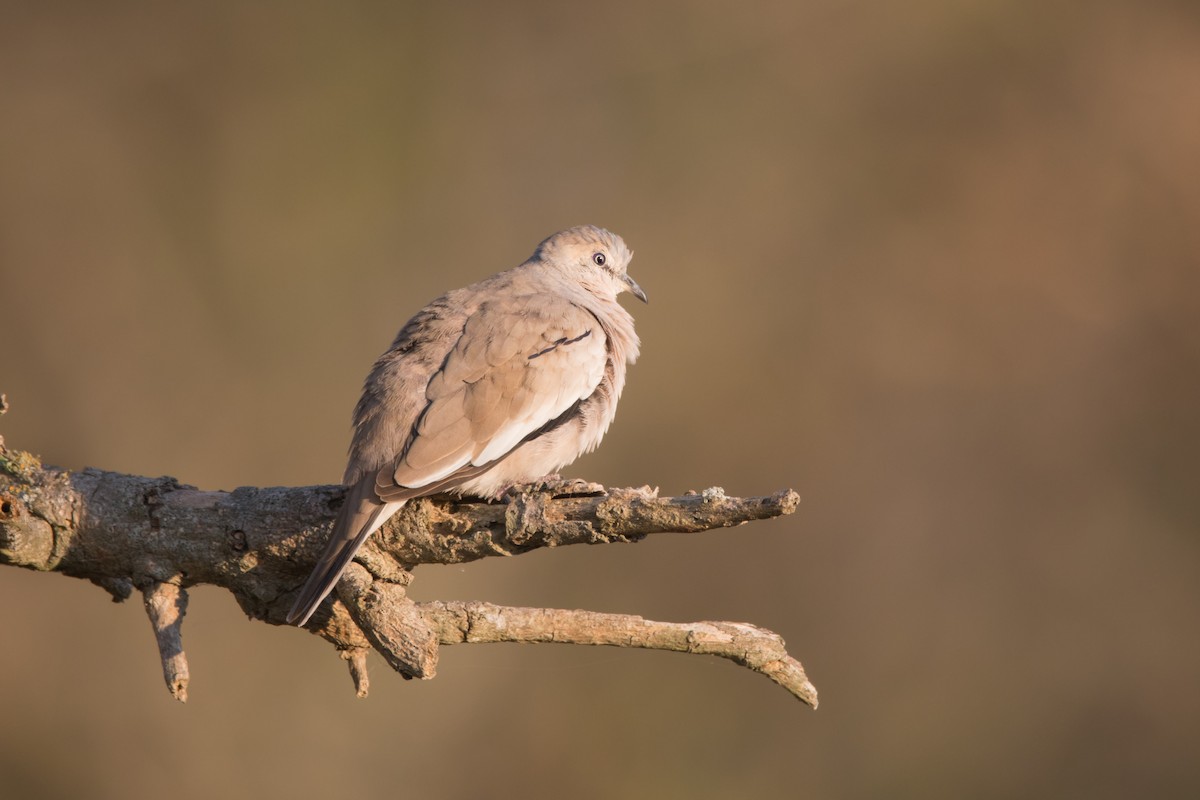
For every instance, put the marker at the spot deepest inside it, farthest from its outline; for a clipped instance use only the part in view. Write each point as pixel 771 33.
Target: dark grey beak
pixel 635 289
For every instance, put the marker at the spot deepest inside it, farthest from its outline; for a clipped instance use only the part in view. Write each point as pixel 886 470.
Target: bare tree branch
pixel 159 536
pixel 748 645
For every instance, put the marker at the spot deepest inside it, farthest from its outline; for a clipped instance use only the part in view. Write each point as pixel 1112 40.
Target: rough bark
pixel 156 535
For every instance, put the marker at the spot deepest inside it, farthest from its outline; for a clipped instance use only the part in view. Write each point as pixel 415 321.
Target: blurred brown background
pixel 932 264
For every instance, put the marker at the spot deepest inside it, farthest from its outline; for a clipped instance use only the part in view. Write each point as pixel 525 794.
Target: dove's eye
pixel 598 259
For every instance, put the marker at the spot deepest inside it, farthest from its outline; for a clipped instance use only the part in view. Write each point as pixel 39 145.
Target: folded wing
pixel 518 367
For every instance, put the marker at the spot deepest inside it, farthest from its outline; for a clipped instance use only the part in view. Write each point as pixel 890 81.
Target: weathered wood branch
pixel 126 532
pixel 745 644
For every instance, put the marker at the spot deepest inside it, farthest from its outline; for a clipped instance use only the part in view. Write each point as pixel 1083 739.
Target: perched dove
pixel 500 383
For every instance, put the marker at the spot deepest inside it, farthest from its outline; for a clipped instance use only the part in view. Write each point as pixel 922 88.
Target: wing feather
pixel 518 366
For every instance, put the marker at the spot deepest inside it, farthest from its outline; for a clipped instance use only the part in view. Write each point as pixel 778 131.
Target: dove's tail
pixel 361 515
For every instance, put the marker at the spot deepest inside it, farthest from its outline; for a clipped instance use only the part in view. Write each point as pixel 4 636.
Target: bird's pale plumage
pixel 499 383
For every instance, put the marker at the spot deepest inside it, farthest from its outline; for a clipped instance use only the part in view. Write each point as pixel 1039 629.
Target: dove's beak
pixel 635 289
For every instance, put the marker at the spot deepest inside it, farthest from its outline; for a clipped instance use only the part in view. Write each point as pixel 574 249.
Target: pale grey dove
pixel 500 383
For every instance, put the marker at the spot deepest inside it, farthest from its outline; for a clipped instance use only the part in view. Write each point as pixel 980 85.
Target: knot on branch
pixel 26 540
pixel 391 622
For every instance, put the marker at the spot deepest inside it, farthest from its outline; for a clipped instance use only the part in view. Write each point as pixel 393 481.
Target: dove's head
pixel 593 257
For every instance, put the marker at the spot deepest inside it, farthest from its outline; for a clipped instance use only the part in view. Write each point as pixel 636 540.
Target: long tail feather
pixel 361 515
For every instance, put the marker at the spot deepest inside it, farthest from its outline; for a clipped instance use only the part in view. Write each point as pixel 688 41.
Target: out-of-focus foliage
pixel 935 265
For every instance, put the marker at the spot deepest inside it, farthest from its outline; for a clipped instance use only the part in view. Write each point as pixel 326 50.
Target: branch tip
pixel 787 500
pixel 356 660
pixel 166 605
